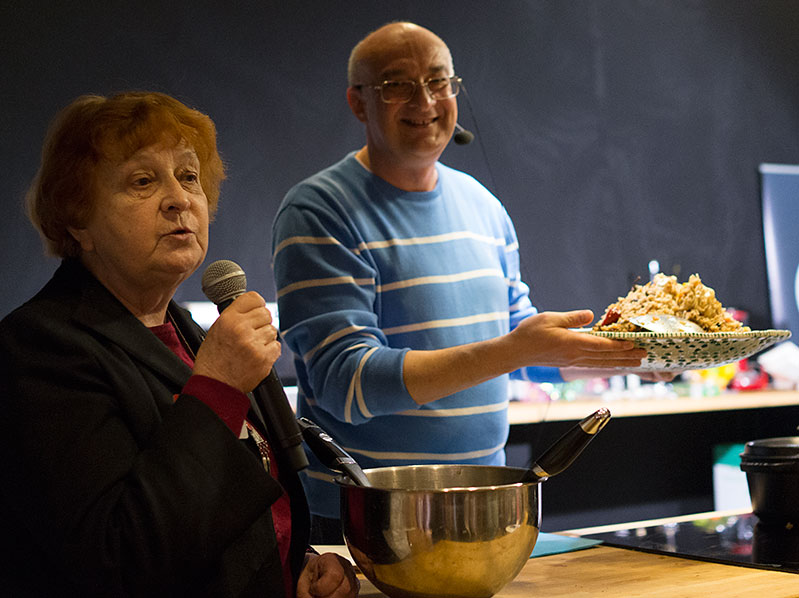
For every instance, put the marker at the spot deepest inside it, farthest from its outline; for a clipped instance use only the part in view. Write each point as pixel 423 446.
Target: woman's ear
pixel 82 236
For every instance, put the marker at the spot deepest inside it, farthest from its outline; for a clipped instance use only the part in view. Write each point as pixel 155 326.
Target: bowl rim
pixel 344 481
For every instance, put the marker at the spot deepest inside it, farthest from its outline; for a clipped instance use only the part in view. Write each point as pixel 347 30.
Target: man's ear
pixel 357 105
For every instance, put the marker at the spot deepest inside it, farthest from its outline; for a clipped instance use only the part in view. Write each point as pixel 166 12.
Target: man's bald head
pixel 383 44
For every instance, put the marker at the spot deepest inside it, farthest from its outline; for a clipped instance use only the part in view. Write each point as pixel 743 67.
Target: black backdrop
pixel 615 131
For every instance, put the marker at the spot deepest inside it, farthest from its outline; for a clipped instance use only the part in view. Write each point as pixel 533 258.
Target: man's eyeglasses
pixel 400 92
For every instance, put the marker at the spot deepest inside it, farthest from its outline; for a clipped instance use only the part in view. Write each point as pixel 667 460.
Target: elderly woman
pixel 132 462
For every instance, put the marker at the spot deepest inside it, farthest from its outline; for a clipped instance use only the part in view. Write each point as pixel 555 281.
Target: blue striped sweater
pixel 366 271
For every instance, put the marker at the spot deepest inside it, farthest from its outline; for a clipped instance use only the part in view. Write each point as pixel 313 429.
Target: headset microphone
pixel 462 137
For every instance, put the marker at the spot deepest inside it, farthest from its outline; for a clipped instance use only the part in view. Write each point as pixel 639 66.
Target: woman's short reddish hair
pixel 95 128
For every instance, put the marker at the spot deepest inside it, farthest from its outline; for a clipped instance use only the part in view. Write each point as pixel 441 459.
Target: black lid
pixel 786 447
pixel 771 455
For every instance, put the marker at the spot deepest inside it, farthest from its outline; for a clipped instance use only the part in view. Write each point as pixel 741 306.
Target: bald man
pixel 399 289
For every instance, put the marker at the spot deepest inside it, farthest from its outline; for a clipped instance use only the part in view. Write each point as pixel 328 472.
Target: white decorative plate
pixel 693 351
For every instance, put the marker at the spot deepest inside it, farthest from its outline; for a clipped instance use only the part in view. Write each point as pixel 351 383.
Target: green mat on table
pixel 555 544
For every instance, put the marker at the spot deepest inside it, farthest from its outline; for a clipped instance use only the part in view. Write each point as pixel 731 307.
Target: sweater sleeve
pixel 229 404
pixel 326 300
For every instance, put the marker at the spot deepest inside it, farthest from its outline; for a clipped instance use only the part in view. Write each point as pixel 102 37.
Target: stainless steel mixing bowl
pixel 441 530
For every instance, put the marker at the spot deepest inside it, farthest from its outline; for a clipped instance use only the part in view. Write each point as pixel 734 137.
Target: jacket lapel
pixel 101 312
pixel 194 336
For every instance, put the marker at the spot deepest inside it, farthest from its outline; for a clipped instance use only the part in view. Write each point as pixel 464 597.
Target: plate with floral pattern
pixel 696 350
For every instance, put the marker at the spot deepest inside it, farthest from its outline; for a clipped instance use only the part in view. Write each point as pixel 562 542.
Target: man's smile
pixel 420 122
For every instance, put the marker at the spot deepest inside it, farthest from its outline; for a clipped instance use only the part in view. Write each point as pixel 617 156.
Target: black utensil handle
pixel 329 453
pixel 569 446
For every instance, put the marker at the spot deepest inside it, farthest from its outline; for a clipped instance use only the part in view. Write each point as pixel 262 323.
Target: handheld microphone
pixel 462 137
pixel 222 282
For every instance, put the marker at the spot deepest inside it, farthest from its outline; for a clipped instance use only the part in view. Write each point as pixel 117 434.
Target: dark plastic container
pixel 772 474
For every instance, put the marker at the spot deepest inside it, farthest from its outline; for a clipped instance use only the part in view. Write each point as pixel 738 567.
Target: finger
pixel 352 578
pixel 591 342
pixel 578 318
pixel 271 334
pixel 625 355
pixel 307 577
pixel 274 351
pixel 253 310
pixel 596 360
pixel 658 376
pixel 329 575
pixel 335 577
pixel 248 301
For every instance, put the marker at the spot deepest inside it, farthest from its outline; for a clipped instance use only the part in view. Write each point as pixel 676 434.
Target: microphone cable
pixel 479 137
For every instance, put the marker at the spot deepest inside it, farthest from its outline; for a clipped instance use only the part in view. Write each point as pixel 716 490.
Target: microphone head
pixel 223 280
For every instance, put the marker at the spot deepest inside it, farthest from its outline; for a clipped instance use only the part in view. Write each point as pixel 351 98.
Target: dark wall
pixel 615 131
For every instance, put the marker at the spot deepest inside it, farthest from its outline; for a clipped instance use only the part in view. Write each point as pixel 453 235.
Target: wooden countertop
pixel 603 571
pixel 520 412
pixel 609 572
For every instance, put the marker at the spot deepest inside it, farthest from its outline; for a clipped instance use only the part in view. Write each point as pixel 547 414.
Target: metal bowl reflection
pixel 441 530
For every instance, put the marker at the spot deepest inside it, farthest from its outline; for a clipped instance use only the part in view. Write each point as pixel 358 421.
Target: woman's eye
pixel 191 177
pixel 141 181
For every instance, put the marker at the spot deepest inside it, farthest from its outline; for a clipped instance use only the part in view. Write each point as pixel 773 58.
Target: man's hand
pixel 546 339
pixel 327 576
pixel 570 374
pixel 657 376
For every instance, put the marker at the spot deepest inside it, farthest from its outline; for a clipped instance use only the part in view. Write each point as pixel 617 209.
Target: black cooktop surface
pixel 738 540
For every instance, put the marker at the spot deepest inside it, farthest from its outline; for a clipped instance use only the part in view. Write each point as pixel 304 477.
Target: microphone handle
pixel 271 400
pixel 280 419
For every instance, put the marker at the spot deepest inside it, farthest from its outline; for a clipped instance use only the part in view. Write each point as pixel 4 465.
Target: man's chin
pixel 427 147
